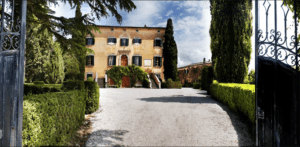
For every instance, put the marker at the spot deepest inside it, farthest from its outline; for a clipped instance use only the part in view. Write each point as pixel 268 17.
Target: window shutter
pixel 86 41
pixel 108 39
pixel 93 41
pixel 140 41
pixel 154 42
pixel 92 60
pixel 107 60
pixel 160 60
pixel 127 40
pixel 115 40
pixel 114 60
pixel 154 61
pixel 121 42
pixel 133 41
pixel 133 59
pixel 87 60
pixel 140 60
pixel 161 43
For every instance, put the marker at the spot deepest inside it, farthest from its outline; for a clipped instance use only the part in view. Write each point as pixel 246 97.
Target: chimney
pixel 203 60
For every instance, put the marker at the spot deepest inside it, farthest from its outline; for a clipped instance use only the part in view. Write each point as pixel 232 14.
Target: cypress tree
pixel 170 53
pixel 231 31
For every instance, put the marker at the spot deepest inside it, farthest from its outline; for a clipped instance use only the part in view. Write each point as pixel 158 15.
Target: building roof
pixel 131 27
pixel 193 64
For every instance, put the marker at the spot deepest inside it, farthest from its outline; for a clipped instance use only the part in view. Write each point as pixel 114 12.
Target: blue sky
pixel 191 22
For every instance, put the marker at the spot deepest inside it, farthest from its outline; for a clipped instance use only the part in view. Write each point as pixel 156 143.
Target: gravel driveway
pixel 164 117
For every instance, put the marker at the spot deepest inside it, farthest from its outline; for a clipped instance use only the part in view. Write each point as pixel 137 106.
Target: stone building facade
pixel 123 46
pixel 190 73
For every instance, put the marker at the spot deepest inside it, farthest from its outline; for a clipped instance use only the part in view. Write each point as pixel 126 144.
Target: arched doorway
pixel 124 60
pixel 125 79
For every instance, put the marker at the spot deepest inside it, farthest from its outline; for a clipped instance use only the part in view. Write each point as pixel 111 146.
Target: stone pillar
pixel 105 80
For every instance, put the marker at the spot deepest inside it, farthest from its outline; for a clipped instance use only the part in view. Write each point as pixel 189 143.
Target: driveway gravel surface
pixel 164 117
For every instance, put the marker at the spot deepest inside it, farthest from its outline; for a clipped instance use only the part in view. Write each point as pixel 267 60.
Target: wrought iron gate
pixel 277 82
pixel 12 45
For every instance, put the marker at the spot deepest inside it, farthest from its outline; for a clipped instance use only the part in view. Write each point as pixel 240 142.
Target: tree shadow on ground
pixel 239 122
pixel 106 138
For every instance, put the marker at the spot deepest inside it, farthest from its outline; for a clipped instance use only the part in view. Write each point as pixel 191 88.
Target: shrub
pixel 92 96
pixel 51 119
pixel 146 83
pixel 39 82
pixel 177 79
pixel 196 85
pixel 164 85
pixel 90 79
pixel 171 84
pixel 239 97
pixel 73 85
pixel 206 78
pixel 30 88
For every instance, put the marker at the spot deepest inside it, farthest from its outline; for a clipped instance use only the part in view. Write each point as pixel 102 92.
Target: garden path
pixel 165 117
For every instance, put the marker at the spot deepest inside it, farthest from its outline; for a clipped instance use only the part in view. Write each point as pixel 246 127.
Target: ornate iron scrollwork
pixel 274 45
pixel 10 27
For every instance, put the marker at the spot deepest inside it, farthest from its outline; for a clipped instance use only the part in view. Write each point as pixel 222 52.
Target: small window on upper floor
pixel 111 40
pixel 136 40
pixel 157 61
pixel 111 60
pixel 89 41
pixel 137 30
pixel 90 60
pixel 158 31
pixel 124 30
pixel 137 60
pixel 111 29
pixel 157 42
pixel 124 41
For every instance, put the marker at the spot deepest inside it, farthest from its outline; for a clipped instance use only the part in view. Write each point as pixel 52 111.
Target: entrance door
pixel 124 60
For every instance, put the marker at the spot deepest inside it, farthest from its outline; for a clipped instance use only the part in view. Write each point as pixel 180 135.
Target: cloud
pixel 169 13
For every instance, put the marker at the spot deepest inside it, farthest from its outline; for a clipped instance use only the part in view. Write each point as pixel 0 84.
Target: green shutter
pixel 114 60
pixel 92 60
pixel 140 60
pixel 133 59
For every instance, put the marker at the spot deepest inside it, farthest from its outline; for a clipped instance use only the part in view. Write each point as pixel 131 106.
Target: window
pixel 112 30
pixel 124 41
pixel 137 30
pixel 136 41
pixel 111 60
pixel 111 40
pixel 157 42
pixel 124 30
pixel 186 71
pixel 158 31
pixel 89 75
pixel 90 60
pixel 89 41
pixel 137 60
pixel 157 61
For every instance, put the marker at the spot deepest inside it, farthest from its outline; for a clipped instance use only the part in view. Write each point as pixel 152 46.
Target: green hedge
pixel 92 96
pixel 30 88
pixel 70 85
pixel 164 85
pixel 51 119
pixel 206 78
pixel 239 97
pixel 187 85
pixel 171 84
pixel 196 85
pixel 39 82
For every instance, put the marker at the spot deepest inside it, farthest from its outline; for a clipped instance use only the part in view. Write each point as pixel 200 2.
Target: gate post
pixel 256 68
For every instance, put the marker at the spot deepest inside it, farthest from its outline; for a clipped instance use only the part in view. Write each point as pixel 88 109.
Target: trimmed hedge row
pixel 187 85
pixel 196 85
pixel 70 85
pixel 175 84
pixel 92 96
pixel 239 97
pixel 51 119
pixel 30 88
pixel 164 85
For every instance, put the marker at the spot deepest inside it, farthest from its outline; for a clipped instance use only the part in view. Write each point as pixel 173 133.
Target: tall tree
pixel 231 31
pixel 170 53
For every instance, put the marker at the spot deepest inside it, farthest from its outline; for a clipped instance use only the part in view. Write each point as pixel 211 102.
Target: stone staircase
pixel 154 85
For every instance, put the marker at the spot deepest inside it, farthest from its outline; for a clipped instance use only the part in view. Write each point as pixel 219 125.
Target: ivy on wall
pixel 134 72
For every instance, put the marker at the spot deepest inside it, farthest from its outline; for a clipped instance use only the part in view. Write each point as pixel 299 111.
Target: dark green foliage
pixel 39 82
pixel 171 84
pixel 73 85
pixel 231 31
pixel 71 67
pixel 30 88
pixel 90 79
pixel 187 85
pixel 164 85
pixel 170 53
pixel 196 85
pixel 117 73
pixel 51 119
pixel 239 97
pixel 250 79
pixel 290 4
pixel 146 83
pixel 92 96
pixel 177 79
pixel 207 78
